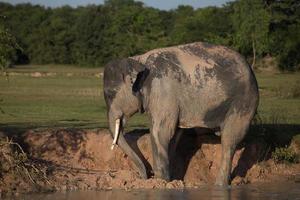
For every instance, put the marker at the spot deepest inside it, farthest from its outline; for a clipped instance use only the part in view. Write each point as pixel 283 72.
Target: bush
pixel 285 155
pixel 15 164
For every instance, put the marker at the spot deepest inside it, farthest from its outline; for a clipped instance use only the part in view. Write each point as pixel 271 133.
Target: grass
pixel 276 99
pixel 67 96
pixel 63 96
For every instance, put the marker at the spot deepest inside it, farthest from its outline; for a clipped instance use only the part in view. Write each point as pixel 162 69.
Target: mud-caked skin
pixel 186 86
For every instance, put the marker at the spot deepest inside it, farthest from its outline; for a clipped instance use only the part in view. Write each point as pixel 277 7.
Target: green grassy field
pixel 56 96
pixel 66 96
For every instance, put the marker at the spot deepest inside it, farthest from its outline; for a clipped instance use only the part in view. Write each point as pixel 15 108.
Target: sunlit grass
pixel 73 97
pixel 275 98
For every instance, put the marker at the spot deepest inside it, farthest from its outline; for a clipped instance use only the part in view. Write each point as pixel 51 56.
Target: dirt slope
pixel 81 159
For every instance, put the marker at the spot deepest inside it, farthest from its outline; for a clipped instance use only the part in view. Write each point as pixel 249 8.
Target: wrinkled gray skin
pixel 186 86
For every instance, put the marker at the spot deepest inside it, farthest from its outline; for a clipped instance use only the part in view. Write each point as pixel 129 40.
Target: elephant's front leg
pixel 161 133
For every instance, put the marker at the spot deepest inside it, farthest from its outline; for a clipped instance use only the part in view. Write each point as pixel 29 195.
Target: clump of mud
pixel 71 159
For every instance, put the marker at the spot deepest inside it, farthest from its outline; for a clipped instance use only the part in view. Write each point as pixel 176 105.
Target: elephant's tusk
pixel 116 134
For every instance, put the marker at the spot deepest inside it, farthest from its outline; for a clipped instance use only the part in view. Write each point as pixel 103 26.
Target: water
pixel 258 191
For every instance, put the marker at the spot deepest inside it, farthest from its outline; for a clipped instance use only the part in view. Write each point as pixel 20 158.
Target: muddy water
pixel 257 191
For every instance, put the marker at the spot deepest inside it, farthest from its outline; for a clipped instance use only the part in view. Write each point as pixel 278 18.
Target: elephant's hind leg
pixel 174 142
pixel 233 131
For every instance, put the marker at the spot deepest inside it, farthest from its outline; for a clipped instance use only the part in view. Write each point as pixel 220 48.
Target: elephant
pixel 185 86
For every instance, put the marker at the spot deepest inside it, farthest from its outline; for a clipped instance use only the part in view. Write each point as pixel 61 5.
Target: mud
pixel 73 159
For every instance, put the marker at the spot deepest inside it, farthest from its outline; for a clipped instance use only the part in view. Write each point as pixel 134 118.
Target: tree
pixel 251 24
pixel 95 34
pixel 183 20
pixel 8 46
pixel 22 20
pixel 132 29
pixel 210 24
pixel 285 33
pixel 89 47
pixel 51 41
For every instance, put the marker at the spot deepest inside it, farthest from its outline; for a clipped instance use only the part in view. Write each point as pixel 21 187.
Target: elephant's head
pixel 122 82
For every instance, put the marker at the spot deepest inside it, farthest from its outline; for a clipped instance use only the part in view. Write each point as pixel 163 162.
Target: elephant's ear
pixel 139 81
pixel 138 73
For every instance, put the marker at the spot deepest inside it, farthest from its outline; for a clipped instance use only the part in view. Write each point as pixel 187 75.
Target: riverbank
pixel 81 159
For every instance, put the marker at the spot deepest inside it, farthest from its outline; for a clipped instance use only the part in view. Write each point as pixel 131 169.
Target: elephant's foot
pixel 221 183
pixel 162 174
pixel 143 172
pixel 222 180
pixel 143 175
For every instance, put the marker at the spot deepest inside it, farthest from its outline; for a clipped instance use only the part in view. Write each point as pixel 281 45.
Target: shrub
pixel 285 155
pixel 15 163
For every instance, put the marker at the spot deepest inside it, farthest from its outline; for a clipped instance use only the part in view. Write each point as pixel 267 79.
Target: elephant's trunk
pixel 120 140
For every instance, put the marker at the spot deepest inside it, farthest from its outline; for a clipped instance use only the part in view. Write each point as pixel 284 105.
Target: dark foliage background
pixel 94 34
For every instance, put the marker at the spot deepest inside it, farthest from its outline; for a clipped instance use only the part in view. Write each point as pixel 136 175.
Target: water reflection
pixel 263 191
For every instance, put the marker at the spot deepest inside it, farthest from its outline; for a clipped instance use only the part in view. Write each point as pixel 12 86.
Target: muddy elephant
pixel 185 86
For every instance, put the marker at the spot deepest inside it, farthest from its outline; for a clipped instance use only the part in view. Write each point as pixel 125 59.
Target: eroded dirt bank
pixel 69 159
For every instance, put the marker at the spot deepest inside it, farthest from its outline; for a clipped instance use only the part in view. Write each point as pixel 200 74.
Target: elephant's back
pixel 197 62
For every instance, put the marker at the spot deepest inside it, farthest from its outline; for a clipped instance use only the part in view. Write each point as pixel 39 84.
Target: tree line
pixel 94 34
